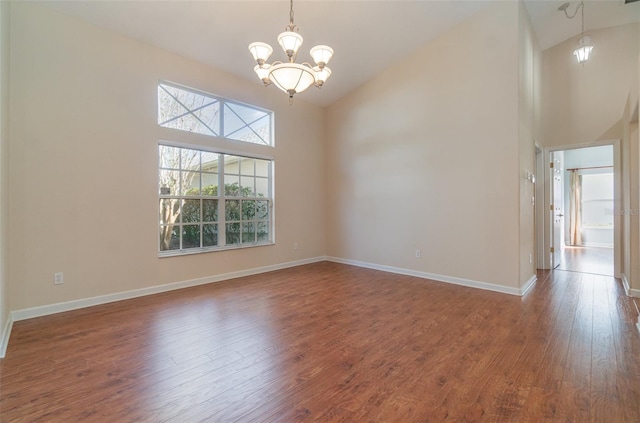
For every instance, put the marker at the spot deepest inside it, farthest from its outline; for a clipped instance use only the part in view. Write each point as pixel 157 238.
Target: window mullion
pixel 221 117
pixel 222 225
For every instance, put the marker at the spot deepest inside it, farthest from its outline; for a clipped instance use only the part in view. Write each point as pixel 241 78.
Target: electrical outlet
pixel 418 253
pixel 295 245
pixel 58 278
pixel 530 258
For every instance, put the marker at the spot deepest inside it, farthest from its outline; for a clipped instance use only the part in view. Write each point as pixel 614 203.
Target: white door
pixel 557 207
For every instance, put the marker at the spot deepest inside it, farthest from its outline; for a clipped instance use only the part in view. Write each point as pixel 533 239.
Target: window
pixel 202 113
pixel 597 200
pixel 211 200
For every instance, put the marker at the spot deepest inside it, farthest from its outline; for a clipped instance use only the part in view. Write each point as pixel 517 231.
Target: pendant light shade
pixel 260 51
pixel 322 74
pixel 321 54
pixel 583 50
pixel 290 42
pixel 263 72
pixel 291 77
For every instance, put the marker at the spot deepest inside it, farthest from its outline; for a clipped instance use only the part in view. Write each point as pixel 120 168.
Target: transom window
pixel 194 111
pixel 211 200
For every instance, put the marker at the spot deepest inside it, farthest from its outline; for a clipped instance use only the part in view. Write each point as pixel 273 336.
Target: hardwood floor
pixel 328 342
pixel 587 260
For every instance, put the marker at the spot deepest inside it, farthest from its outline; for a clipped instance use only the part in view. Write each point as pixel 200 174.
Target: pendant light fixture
pixel 289 76
pixel 584 45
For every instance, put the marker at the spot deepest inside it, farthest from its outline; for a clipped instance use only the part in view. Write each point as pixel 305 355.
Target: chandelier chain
pixel 291 14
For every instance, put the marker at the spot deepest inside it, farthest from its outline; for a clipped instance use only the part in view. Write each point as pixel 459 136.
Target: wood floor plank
pixel 328 342
pixel 605 400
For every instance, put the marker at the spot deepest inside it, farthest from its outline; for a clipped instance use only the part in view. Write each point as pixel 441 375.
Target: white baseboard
pixel 46 310
pixel 625 283
pixel 596 245
pixel 6 333
pixel 440 278
pixel 627 288
pixel 528 285
pixel 630 291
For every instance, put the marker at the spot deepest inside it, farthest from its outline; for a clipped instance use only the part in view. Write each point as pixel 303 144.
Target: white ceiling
pixel 366 35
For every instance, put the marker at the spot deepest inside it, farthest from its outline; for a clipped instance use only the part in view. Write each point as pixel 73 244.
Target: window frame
pixel 221 197
pixel 223 104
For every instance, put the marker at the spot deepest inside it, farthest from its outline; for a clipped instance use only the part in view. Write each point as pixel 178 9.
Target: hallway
pixel 595 260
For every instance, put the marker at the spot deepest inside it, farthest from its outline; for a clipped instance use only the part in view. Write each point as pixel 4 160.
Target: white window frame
pixel 224 103
pixel 221 222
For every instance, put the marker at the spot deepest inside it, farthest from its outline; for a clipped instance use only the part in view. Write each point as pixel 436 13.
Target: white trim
pixel 215 149
pixel 627 288
pixel 6 333
pixel 45 310
pixel 596 245
pixel 529 284
pixel 440 278
pixel 617 176
pixel 625 283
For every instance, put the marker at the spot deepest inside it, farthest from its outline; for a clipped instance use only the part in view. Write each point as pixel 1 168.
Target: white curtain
pixel 575 208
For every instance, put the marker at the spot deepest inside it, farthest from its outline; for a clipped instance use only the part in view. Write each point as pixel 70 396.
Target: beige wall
pixel 426 156
pixel 583 105
pixel 83 191
pixel 528 127
pixel 4 164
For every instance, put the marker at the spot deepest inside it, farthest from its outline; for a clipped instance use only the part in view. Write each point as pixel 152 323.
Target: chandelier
pixel 584 45
pixel 290 76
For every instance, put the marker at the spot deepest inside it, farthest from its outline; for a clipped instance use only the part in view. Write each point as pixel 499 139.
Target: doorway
pixel 581 195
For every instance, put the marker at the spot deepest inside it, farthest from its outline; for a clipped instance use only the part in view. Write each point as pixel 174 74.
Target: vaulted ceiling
pixel 367 36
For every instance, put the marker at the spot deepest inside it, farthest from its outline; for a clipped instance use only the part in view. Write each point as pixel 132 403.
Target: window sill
pixel 190 251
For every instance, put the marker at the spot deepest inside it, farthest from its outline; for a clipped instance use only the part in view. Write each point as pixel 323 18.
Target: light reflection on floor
pixel 594 260
pixel 213 351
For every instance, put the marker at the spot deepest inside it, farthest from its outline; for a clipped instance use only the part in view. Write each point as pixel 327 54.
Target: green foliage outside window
pixel 239 214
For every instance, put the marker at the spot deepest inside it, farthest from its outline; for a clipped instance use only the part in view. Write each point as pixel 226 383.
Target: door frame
pixel 543 234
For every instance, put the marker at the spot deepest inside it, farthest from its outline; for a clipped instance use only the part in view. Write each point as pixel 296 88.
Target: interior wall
pixel 528 95
pixel 583 104
pixel 84 135
pixel 4 167
pixel 425 156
